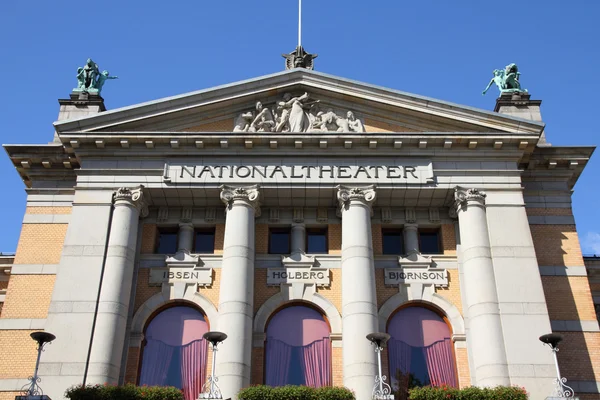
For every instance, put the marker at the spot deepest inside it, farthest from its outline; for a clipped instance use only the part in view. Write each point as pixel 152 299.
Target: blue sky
pixel 442 49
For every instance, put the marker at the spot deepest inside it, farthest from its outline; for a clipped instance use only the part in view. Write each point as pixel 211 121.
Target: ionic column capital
pixel 363 195
pixel 133 197
pixel 468 196
pixel 248 195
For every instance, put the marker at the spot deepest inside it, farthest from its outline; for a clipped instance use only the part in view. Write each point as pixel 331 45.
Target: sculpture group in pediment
pixel 298 114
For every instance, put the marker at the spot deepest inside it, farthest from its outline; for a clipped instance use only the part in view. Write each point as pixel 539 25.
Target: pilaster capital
pixel 248 195
pixel 464 196
pixel 346 195
pixel 133 197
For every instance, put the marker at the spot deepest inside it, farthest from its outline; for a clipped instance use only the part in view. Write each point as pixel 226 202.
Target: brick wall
pixel 258 366
pixel 149 236
pixel 383 292
pixel 17 354
pixel 133 364
pixel 212 292
pixel 462 366
pixel 337 366
pixel 143 290
pixel 40 243
pixel 9 395
pixel 556 245
pixel 452 292
pixel 373 126
pixel 548 211
pixel 579 356
pixel 262 292
pixel 334 238
pixel 333 293
pixel 219 238
pixel 224 125
pixel 377 239
pixel 28 296
pixel 48 210
pixel 568 298
pixel 448 239
pixel 261 238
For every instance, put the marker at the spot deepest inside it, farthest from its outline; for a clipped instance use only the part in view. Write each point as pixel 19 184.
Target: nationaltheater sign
pixel 410 173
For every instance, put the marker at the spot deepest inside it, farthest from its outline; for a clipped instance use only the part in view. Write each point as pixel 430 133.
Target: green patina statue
pixel 507 80
pixel 89 78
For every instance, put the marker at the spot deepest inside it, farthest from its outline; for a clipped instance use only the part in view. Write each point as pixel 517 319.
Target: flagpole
pixel 299 23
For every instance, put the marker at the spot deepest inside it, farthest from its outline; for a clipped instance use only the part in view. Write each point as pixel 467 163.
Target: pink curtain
pixel 193 371
pixel 440 363
pixel 316 364
pixel 157 358
pixel 399 354
pixel 278 362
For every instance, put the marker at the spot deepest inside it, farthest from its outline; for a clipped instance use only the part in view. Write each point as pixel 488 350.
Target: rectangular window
pixel 204 242
pixel 392 241
pixel 429 242
pixel 167 241
pixel 316 241
pixel 279 241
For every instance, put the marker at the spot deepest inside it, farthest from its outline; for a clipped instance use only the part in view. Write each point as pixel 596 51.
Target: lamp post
pixel 211 390
pixel 561 390
pixel 381 390
pixel 33 389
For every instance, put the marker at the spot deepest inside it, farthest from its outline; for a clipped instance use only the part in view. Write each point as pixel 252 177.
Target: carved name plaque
pixel 318 276
pixel 202 277
pixel 413 172
pixel 432 276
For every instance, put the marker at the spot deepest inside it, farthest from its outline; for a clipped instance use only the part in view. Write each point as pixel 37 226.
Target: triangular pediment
pixel 374 110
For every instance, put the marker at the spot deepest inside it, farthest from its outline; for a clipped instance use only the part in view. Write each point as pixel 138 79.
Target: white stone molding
pixel 158 300
pixel 133 197
pixel 249 195
pixel 276 301
pixel 273 214
pixel 434 215
pixel 410 215
pixel 298 216
pixel 322 216
pixel 187 213
pixel 463 196
pixel 449 310
pixel 210 214
pixel 386 215
pixel 163 214
pixel 346 195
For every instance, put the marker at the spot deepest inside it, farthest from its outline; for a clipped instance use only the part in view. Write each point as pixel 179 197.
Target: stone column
pixel 486 341
pixel 236 296
pixel 411 238
pixel 359 302
pixel 113 307
pixel 185 237
pixel 298 239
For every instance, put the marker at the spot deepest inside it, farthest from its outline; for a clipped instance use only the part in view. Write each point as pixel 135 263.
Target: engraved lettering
pixel 343 172
pixel 257 171
pixel 363 170
pixel 190 172
pixel 410 170
pixel 307 168
pixel 208 169
pixel 294 173
pixel 325 169
pixel 242 174
pixel 278 169
pixel 390 170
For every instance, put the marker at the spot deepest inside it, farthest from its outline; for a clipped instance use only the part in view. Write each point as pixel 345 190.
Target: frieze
pixel 297 114
pixel 412 172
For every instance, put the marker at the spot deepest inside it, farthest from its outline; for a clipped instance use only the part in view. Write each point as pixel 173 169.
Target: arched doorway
pixel 174 352
pixel 420 350
pixel 298 348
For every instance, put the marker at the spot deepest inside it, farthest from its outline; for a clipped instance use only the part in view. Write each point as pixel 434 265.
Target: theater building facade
pixel 297 213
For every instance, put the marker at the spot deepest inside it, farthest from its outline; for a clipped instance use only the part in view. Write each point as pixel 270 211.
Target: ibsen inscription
pixel 318 276
pixel 202 277
pixel 431 276
pixel 411 173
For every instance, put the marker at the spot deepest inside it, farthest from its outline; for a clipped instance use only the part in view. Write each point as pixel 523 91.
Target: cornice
pixel 240 92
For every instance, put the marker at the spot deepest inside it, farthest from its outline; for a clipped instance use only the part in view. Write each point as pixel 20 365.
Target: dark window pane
pixel 392 241
pixel 205 241
pixel 279 241
pixel 430 242
pixel 316 241
pixel 167 243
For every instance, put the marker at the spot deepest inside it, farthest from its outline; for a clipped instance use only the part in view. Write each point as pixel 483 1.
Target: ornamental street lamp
pixel 33 389
pixel 211 390
pixel 381 390
pixel 561 390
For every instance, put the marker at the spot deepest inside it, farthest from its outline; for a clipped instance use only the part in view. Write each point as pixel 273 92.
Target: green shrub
pixel 126 392
pixel 295 393
pixel 470 393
